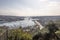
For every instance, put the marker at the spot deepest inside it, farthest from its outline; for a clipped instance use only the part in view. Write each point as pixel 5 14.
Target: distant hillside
pixel 42 19
pixel 10 18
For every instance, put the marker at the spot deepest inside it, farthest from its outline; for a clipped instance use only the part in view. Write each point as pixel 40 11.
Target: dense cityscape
pixel 30 28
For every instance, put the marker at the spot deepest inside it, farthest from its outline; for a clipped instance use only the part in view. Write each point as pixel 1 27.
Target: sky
pixel 30 7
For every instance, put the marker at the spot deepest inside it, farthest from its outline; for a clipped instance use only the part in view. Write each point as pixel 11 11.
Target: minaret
pixel 38 25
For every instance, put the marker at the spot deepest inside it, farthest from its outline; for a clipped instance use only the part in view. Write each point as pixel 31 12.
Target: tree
pixel 18 34
pixel 52 29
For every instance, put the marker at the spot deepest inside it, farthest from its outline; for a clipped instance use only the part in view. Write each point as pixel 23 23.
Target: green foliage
pixel 18 34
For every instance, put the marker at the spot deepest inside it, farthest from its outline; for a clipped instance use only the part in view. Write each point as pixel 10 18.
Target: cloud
pixel 33 8
pixel 44 0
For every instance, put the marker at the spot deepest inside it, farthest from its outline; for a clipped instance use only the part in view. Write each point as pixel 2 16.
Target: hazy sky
pixel 29 7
